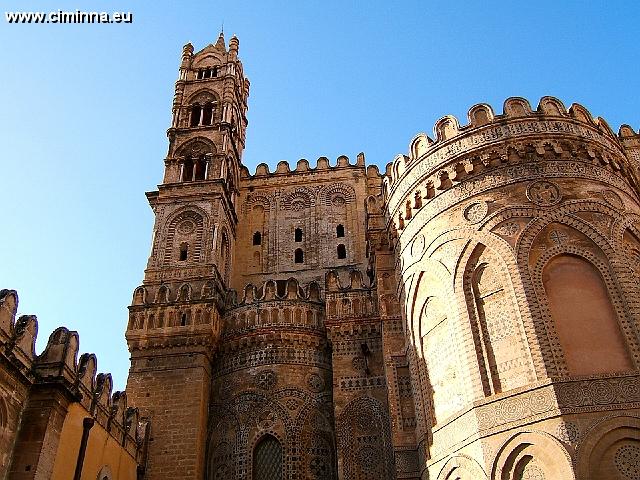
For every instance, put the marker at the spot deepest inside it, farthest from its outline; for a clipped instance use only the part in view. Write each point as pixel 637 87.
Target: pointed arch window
pixel 584 317
pixel 257 238
pixel 340 231
pixel 298 235
pixel 298 256
pixel 267 459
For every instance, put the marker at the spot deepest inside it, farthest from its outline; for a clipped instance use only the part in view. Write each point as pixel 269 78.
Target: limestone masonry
pixel 470 313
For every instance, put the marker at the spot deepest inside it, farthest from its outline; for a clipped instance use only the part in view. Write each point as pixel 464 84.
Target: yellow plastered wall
pixel 102 449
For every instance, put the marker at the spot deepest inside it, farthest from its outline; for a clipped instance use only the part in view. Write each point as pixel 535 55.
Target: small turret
pixel 233 47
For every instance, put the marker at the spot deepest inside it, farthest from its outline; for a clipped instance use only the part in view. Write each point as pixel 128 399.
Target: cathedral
pixel 470 313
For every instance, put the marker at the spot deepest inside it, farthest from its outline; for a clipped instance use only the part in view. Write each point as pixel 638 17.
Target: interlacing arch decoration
pixel 185 228
pixel 601 254
pixel 532 454
pixel 460 291
pixel 502 351
pixel 330 194
pixel 610 447
pixel 223 443
pixel 364 440
pixel 265 201
pixel 298 199
pixel 611 312
pixel 462 467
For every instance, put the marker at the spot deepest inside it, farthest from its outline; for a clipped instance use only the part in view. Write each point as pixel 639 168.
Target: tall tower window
pixel 342 251
pixel 200 169
pixel 298 256
pixel 211 72
pixel 184 251
pixel 298 235
pixel 340 231
pixel 195 115
pixel 187 170
pixel 257 238
pixel 207 114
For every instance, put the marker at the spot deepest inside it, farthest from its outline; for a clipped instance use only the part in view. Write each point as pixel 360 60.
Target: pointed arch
pixel 364 440
pixel 495 323
pixel 267 459
pixel 185 228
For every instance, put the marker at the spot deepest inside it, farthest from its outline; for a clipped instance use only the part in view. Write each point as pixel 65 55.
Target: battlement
pixel 490 141
pixel 303 167
pixel 274 290
pixel 59 365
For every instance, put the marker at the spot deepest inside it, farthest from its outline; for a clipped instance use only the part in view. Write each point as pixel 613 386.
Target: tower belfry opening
pixel 330 321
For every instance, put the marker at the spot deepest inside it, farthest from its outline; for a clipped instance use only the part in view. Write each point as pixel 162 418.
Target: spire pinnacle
pixel 220 43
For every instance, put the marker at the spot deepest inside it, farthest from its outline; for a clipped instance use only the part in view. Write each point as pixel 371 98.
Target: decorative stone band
pixel 502 176
pixel 268 354
pixel 454 142
pixel 545 400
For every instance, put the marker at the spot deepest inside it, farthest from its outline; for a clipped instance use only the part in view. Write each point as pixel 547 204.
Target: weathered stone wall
pixel 44 400
pixel 513 243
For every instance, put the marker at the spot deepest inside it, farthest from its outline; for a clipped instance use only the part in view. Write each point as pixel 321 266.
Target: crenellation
pixel 470 312
pixel 57 386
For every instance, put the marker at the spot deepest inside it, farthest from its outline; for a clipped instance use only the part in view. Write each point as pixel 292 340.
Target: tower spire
pixel 220 42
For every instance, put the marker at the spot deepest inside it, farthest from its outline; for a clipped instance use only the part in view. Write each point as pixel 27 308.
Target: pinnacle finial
pixel 220 43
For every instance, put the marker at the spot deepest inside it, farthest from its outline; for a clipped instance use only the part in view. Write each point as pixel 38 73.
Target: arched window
pixel 298 235
pixel 195 115
pixel 200 169
pixel 187 170
pixel 207 114
pixel 299 256
pixel 267 459
pixel 184 251
pixel 340 231
pixel 342 251
pixel 257 238
pixel 584 317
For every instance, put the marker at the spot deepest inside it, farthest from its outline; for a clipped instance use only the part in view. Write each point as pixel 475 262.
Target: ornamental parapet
pixel 519 137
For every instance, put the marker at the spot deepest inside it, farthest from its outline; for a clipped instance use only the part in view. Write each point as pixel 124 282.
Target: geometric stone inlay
pixel 543 193
pixel 627 460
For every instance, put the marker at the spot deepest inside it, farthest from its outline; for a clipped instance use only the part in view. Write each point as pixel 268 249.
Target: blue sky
pixel 86 108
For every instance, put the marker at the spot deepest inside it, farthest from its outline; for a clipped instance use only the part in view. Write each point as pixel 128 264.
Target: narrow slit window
pixel 342 251
pixel 340 231
pixel 184 252
pixel 257 238
pixel 183 320
pixel 298 235
pixel 299 256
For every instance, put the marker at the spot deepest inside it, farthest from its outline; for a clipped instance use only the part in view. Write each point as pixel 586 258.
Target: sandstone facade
pixel 59 419
pixel 470 313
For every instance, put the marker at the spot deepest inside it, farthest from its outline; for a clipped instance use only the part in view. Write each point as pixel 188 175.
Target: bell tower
pixel 176 315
